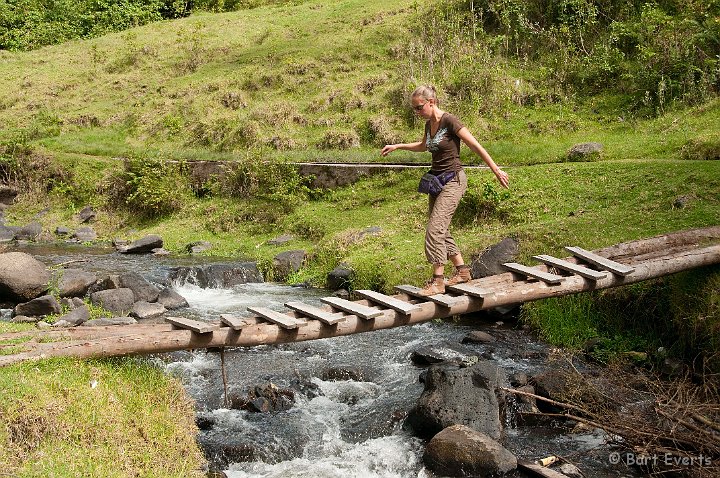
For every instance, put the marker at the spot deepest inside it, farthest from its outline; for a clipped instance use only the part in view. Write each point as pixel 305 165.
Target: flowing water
pixel 346 428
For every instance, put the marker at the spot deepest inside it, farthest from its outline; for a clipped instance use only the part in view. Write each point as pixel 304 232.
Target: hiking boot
pixel 462 275
pixel 436 285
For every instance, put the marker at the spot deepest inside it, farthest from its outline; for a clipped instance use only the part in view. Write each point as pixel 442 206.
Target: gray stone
pixel 62 231
pixel 288 262
pixel 106 283
pixel 117 301
pixel 75 282
pixel 39 307
pixel 681 202
pixel 570 470
pixel 340 277
pixel 281 240
pixel 461 451
pixel 465 396
pixel 143 245
pixel 24 319
pixel 441 353
pixel 86 214
pixel 62 323
pixel 147 310
pixel 585 152
pixel 198 247
pixel 29 232
pixel 478 337
pixel 143 290
pixel 217 275
pixel 171 299
pixel 109 321
pixel 77 316
pixel 7 234
pixel 85 234
pixel 491 260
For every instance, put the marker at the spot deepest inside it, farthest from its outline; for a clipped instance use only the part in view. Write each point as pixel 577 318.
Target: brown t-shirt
pixel 445 145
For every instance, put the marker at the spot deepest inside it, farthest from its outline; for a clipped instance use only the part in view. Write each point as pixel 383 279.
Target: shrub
pixel 480 203
pixel 334 139
pixel 225 134
pixel 702 147
pixel 149 187
pixel 380 131
pixel 273 181
pixel 34 23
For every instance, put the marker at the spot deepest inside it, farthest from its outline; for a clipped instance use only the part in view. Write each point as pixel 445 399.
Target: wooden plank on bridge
pixel 194 325
pixel 360 310
pixel 570 267
pixel 329 318
pixel 530 272
pixel 283 320
pixel 235 322
pixel 396 304
pixel 600 261
pixel 441 299
pixel 470 290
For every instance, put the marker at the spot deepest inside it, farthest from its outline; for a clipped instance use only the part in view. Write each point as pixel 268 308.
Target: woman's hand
pixel 389 148
pixel 503 178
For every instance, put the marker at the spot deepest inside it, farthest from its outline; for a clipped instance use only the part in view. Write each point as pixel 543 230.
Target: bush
pixel 339 140
pixel 273 181
pixel 703 147
pixel 149 187
pixel 29 24
pixel 651 53
pixel 480 203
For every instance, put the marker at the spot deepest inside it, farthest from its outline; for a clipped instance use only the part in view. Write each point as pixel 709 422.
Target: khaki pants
pixel 439 244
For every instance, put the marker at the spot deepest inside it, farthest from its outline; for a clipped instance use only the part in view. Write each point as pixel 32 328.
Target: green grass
pixel 135 421
pixel 216 86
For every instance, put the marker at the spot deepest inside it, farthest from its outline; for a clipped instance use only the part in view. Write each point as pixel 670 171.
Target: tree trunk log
pixel 145 339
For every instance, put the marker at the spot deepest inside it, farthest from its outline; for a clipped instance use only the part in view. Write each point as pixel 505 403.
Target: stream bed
pixel 335 428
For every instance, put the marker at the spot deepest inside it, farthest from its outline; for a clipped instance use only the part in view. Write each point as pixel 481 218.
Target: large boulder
pixel 171 299
pixel 22 277
pixel 76 316
pixel 217 275
pixel 340 277
pixel 147 310
pixel 29 232
pixel 143 290
pixel 117 301
pixel 84 234
pixel 288 262
pixel 143 245
pixel 585 152
pixel 491 260
pixel 454 395
pixel 461 451
pixel 75 282
pixel 443 352
pixel 38 307
pixel 7 233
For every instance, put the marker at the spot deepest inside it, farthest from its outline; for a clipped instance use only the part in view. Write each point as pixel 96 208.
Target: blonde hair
pixel 426 92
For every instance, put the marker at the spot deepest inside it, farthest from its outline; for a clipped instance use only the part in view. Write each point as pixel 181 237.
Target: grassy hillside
pixel 329 80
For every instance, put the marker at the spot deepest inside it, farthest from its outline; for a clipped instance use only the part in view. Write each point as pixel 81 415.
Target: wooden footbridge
pixel 582 271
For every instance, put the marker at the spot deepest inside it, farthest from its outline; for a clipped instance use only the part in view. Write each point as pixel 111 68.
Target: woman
pixel 443 133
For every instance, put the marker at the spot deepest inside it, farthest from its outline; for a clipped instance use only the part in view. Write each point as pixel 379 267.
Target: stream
pixel 335 428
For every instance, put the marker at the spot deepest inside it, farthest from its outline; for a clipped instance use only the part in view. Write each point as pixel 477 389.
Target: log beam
pixel 138 342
